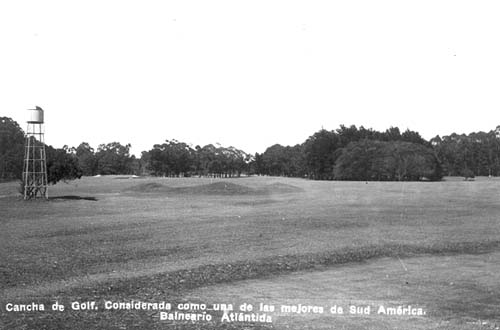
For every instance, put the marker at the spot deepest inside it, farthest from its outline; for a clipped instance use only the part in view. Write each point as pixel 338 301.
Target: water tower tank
pixel 35 116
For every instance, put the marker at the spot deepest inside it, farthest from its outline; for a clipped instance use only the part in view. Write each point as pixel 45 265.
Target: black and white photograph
pixel 250 165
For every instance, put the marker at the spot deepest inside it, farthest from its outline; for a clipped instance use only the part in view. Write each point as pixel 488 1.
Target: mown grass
pixel 130 242
pixel 457 291
pixel 172 283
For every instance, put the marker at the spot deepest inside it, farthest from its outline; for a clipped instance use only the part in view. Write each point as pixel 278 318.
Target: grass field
pixel 280 240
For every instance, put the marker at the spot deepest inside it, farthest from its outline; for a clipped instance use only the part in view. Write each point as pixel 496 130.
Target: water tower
pixel 35 161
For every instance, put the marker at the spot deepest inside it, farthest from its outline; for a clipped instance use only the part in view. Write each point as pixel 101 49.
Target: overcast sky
pixel 248 73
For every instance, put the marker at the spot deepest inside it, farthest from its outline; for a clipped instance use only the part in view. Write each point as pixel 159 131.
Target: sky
pixel 248 74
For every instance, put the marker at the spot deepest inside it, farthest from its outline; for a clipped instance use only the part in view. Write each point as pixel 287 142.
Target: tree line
pixel 171 158
pixel 351 153
pixel 174 158
pixel 60 164
pixel 347 153
pixel 468 155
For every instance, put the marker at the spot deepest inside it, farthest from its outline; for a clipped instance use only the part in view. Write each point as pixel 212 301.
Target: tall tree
pixel 257 165
pixel 278 160
pixel 86 158
pixel 319 152
pixel 477 153
pixel 11 149
pixel 172 158
pixel 114 158
pixel 61 165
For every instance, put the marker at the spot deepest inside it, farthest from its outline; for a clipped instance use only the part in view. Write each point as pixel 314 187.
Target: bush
pixel 468 174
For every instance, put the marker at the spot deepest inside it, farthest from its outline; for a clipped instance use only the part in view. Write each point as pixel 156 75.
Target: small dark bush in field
pixel 468 174
pixel 20 188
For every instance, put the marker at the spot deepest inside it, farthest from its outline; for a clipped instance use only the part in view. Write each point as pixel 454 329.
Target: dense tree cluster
pixel 174 158
pixel 347 153
pixel 61 163
pixel 469 155
pixel 278 160
pixel 87 159
pixel 11 149
pixel 110 158
pixel 326 155
pixel 387 161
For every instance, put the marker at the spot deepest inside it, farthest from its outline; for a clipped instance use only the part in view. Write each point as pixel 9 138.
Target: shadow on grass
pixel 73 197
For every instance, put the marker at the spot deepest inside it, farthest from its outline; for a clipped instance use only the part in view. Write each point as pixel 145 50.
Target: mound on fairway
pixel 217 188
pixel 282 188
pixel 147 187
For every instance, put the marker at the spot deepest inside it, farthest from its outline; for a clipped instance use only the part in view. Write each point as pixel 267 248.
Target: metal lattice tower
pixel 35 161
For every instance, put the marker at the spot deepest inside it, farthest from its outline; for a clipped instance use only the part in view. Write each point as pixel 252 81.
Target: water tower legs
pixel 35 163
